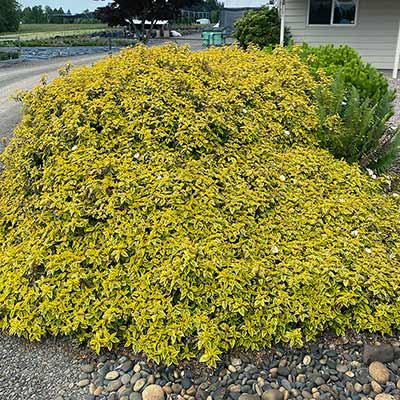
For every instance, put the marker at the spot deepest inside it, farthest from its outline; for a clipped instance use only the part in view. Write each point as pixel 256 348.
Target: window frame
pixel 332 17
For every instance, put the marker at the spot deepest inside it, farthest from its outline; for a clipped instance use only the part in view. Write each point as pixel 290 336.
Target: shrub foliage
pixel 178 203
pixel 355 112
pixel 370 83
pixel 259 27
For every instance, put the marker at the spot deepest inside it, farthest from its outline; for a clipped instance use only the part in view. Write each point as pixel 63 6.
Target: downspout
pixel 282 33
pixel 397 57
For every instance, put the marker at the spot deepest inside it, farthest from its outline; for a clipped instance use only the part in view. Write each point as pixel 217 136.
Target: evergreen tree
pixel 10 15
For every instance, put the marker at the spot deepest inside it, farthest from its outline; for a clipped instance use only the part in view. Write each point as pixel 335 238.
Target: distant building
pixel 235 9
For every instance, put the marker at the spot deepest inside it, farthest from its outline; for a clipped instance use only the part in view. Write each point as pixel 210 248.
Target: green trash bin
pixel 214 37
pixel 217 38
pixel 206 38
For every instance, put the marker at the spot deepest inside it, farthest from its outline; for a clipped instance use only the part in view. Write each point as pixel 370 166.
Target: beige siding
pixel 374 35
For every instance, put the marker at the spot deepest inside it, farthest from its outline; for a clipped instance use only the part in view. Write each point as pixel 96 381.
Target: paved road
pixel 26 76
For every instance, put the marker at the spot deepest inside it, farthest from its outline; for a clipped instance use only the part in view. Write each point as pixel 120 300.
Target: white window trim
pixel 332 16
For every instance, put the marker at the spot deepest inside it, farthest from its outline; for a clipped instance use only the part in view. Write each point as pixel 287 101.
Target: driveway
pixel 26 76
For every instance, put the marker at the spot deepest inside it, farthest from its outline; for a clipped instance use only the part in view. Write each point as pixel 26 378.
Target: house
pixel 235 9
pixel 369 26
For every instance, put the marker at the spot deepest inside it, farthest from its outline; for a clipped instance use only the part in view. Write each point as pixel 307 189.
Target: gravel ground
pixel 48 370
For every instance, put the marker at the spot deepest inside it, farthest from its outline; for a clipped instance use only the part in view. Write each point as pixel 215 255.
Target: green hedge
pixel 178 203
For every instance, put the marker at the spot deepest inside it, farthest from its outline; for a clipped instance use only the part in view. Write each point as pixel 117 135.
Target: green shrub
pixel 354 115
pixel 357 130
pixel 369 82
pixel 259 27
pixel 177 202
pixel 8 55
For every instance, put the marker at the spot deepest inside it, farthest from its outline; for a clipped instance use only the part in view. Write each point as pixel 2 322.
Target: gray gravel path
pixel 48 370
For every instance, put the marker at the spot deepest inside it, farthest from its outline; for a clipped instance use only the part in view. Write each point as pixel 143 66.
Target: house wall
pixel 374 35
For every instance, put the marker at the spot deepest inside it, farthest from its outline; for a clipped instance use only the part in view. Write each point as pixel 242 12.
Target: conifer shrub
pixel 178 203
pixel 354 116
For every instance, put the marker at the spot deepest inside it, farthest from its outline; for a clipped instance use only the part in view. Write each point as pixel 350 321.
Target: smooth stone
pixel 376 387
pixel 186 383
pixel 113 386
pixel 83 383
pixel 384 396
pixel 319 381
pixel 273 372
pixel 383 353
pixel 125 379
pixel 342 368
pixel 272 394
pixel 246 396
pixel 135 396
pixel 139 384
pixel 283 371
pixel 191 391
pixel 379 372
pixel 358 387
pixel 99 390
pixel 137 368
pixel 127 366
pixel 286 384
pixel 153 392
pixel 367 388
pixel 232 368
pixel 135 378
pixel 307 360
pixel 87 368
pixel 363 376
pixel 236 362
pixel 176 388
pixel 234 388
pixel 112 375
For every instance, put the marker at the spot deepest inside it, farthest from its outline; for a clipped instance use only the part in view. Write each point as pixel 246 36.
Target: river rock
pixel 153 392
pixel 384 396
pixel 379 372
pixel 383 353
pixel 272 394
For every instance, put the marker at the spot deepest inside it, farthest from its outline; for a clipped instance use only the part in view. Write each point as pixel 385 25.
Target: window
pixel 332 12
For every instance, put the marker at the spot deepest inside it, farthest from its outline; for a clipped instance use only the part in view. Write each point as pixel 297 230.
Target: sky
pixel 75 6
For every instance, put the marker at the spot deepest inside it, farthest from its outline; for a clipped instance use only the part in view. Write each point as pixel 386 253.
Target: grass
pixel 40 31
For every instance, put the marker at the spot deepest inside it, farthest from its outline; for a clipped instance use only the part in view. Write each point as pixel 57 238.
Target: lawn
pixel 34 31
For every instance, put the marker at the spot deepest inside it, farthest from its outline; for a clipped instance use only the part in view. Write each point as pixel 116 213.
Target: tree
pixel 10 15
pixel 124 12
pixel 260 27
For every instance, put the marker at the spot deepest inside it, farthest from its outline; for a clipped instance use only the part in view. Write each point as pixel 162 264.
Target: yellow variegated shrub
pixel 177 202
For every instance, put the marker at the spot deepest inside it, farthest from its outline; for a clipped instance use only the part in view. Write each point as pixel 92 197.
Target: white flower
pixel 274 250
pixel 244 110
pixel 395 195
pixel 371 173
pixel 354 233
pixel 287 133
pixel 282 178
pixel 368 250
pixel 159 177
pixel 73 148
pixel 137 155
pixel 341 201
